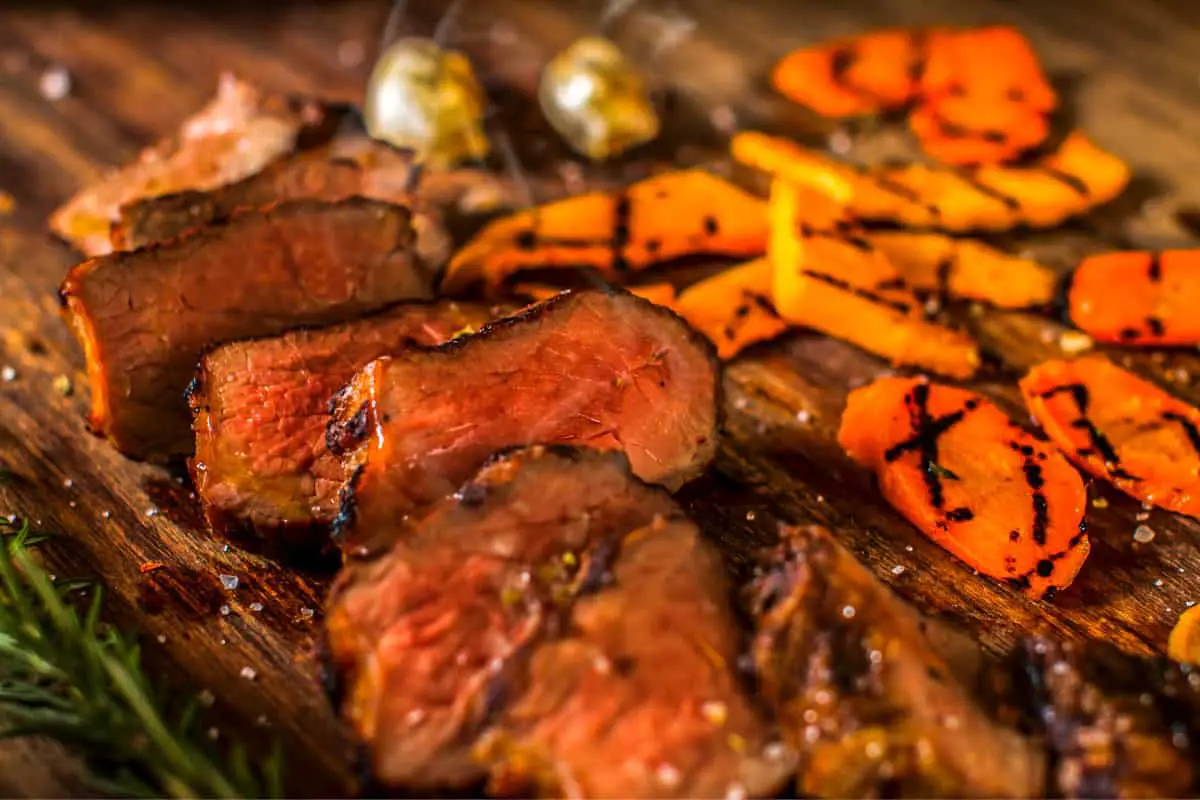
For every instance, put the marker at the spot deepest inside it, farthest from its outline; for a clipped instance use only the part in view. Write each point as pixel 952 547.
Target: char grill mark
pixel 532 628
pixel 600 369
pixel 1081 398
pixel 144 317
pixel 260 409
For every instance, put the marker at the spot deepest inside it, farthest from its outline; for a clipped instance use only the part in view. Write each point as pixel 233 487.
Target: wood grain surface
pixel 1131 79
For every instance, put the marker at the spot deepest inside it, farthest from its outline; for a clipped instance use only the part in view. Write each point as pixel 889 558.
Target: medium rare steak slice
pixel 859 692
pixel 260 408
pixel 344 167
pixel 557 625
pixel 237 134
pixel 144 317
pixel 603 369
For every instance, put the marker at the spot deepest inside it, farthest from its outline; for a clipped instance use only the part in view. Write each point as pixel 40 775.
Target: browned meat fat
pixel 343 167
pixel 872 710
pixel 144 317
pixel 606 370
pixel 559 628
pixel 1112 724
pixel 237 134
pixel 260 408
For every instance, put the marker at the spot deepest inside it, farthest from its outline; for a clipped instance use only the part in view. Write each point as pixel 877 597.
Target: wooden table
pixel 1131 77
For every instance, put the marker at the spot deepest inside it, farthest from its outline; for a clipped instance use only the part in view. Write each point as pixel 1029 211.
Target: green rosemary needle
pixel 66 676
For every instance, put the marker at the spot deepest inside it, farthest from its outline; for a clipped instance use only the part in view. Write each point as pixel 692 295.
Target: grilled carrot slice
pixel 1117 426
pixel 1138 298
pixel 855 75
pixel 662 218
pixel 983 97
pixel 661 294
pixel 979 95
pixel 733 308
pixel 972 480
pixel 964 268
pixel 1074 179
pixel 1184 643
pixel 832 280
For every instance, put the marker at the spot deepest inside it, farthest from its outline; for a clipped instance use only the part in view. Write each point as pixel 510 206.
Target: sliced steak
pixel 603 369
pixel 144 317
pixel 1113 724
pixel 343 167
pixel 860 693
pixel 237 134
pixel 260 408
pixel 556 625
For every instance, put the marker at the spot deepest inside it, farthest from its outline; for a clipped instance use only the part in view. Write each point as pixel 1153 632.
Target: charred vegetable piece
pixel 426 99
pixel 237 134
pixel 659 219
pixel 1072 180
pixel 978 95
pixel 596 99
pixel 976 483
pixel 966 269
pixel 854 76
pixel 1117 426
pixel 733 308
pixel 833 280
pixel 260 408
pixel 661 294
pixel 1184 642
pixel 601 369
pixel 1139 298
pixel 1112 724
pixel 983 97
pixel 859 692
pixel 553 618
pixel 144 317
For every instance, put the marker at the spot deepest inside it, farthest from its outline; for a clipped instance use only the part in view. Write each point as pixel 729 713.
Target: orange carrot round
pixel 1138 298
pixel 1117 426
pixel 972 480
pixel 864 74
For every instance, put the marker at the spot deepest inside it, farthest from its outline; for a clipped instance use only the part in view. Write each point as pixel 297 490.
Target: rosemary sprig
pixel 66 676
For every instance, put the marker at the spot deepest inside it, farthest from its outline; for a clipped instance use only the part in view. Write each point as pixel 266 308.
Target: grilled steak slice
pixel 556 621
pixel 260 407
pixel 603 369
pixel 639 697
pixel 144 317
pixel 862 696
pixel 237 134
pixel 344 167
pixel 1114 725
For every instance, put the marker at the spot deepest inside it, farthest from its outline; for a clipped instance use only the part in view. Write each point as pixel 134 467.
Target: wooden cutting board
pixel 1130 79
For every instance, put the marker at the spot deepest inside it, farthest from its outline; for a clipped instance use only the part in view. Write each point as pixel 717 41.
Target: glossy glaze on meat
pixel 557 627
pixel 1111 724
pixel 144 317
pixel 604 369
pixel 861 694
pixel 260 407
